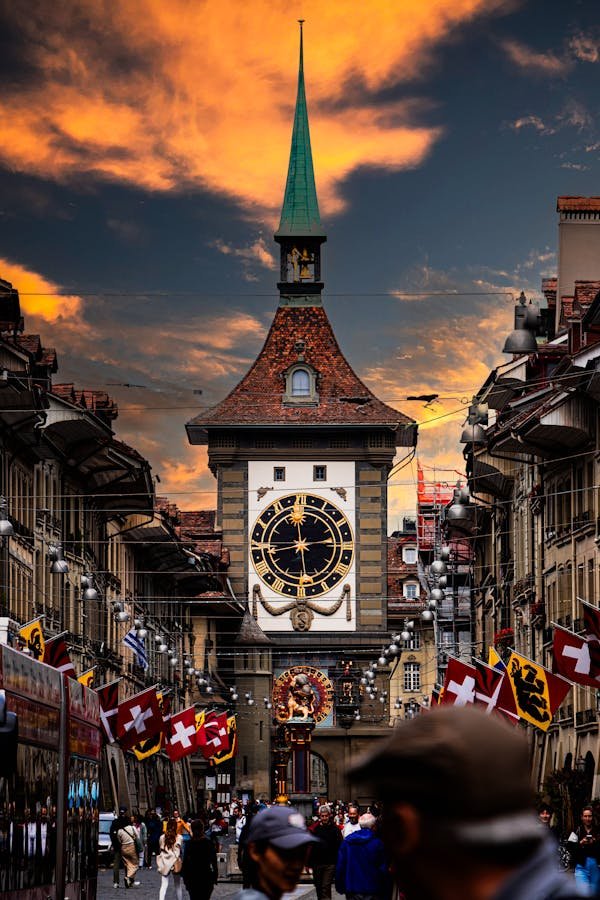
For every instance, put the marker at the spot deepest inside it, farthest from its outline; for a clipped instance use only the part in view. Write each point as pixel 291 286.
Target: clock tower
pixel 301 450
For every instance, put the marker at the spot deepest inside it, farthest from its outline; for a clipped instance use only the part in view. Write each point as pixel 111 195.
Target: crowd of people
pixel 458 822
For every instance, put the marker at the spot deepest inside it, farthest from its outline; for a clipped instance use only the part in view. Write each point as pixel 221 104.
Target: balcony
pixel 586 719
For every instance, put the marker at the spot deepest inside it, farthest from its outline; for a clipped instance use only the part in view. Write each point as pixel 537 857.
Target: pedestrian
pixel 119 822
pixel 130 844
pixel 324 855
pixel 200 871
pixel 458 815
pixel 277 849
pixel 142 833
pixel 169 860
pixel 351 824
pixel 239 820
pixel 362 871
pixel 154 831
pixel 584 846
pixel 242 856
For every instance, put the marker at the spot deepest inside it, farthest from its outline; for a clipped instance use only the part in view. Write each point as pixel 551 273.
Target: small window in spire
pixel 300 383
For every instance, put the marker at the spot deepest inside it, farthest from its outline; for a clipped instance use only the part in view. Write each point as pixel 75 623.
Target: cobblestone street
pixel 150 883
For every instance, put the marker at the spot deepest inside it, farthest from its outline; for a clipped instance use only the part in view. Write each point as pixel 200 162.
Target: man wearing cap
pixel 362 871
pixel 458 815
pixel 277 851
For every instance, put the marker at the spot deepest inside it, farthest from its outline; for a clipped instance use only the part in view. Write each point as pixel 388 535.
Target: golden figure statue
pixel 305 259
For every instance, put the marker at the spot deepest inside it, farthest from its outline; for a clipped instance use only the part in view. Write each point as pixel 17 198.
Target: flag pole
pixel 31 621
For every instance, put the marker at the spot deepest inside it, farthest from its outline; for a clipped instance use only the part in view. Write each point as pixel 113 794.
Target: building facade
pixel 533 473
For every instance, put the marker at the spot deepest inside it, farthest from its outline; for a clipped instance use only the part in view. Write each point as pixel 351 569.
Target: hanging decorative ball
pixel 162 648
pixel 427 615
pixel 382 661
pixel 364 681
pixel 122 616
pixel 190 671
pixel 235 696
pixel 437 567
pixel 393 650
pixel 159 638
pixel 445 554
pixel 443 581
pixel 209 690
pixel 138 623
pixel 173 661
pixel 432 604
pixel 436 595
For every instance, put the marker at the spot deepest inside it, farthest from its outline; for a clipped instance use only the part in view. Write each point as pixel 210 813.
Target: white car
pixel 105 850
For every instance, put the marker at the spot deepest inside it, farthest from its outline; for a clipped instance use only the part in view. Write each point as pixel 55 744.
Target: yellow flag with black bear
pixel 538 692
pixel 224 755
pixel 33 637
pixel 87 678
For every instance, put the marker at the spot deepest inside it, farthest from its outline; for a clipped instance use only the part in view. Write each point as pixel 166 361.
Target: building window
pixel 279 473
pixel 409 554
pixel 300 383
pixel 411 591
pixel 412 677
pixel 414 641
pixel 319 473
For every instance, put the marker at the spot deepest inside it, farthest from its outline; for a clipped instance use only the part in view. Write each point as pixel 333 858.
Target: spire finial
pixel 300 212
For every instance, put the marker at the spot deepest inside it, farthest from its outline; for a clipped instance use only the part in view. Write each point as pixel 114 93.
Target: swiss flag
pixel 213 735
pixel 576 658
pixel 459 685
pixel 138 719
pixel 182 734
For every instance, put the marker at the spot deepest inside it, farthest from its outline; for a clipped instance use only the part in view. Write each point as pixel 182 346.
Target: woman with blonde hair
pixel 169 860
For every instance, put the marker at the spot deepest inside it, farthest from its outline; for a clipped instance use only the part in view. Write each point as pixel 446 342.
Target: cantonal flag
pixel 459 684
pixel 181 739
pixel 153 744
pixel 223 755
pixel 576 658
pixel 537 692
pixel 33 637
pixel 56 655
pixel 212 735
pixel 591 620
pixel 138 719
pixel 488 682
pixel 108 695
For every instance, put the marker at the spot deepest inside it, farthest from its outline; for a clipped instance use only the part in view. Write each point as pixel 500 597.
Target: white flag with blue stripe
pixel 138 646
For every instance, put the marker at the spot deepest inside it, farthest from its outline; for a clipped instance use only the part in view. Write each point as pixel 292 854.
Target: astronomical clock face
pixel 302 692
pixel 301 546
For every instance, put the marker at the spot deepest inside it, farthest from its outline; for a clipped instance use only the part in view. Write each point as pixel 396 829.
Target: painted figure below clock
pixel 302 546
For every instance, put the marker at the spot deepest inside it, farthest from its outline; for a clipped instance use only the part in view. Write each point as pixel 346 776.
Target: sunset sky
pixel 143 156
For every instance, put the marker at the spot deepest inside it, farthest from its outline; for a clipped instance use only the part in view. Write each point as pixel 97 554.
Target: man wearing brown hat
pixel 458 815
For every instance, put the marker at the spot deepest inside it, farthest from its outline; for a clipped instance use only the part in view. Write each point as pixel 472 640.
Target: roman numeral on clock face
pixel 261 568
pixel 277 585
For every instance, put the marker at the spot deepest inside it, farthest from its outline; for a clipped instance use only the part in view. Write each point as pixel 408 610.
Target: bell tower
pixel 300 233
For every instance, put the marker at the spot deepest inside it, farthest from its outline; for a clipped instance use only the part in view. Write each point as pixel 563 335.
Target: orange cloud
pixel 166 95
pixel 40 297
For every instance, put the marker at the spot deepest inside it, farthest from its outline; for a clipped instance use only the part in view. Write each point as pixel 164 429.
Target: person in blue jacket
pixel 362 872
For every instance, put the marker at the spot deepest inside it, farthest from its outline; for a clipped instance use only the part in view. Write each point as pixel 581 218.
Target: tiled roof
pixel 578 204
pixel 586 292
pixel 98 402
pixel 343 398
pixel 198 520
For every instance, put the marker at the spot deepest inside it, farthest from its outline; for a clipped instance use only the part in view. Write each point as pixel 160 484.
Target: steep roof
pixel 343 398
pixel 300 213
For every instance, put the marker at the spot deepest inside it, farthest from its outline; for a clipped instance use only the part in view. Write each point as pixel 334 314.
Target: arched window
pixel 300 383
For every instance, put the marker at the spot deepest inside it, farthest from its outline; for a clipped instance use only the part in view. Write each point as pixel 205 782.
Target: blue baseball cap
pixel 281 826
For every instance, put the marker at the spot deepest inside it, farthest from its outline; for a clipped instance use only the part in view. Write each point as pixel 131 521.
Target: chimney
pixel 578 247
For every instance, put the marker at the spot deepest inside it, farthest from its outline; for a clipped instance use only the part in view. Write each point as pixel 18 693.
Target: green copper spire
pixel 300 213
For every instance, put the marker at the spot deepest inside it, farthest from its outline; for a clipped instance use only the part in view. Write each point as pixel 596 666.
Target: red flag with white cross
pixel 459 685
pixel 576 658
pixel 181 739
pixel 138 719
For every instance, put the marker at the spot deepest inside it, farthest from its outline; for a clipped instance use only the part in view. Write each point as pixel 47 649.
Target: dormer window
pixel 300 385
